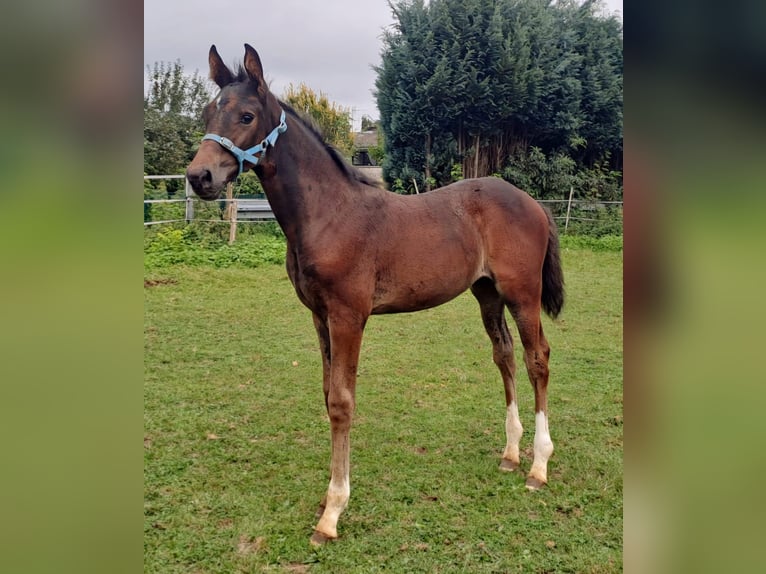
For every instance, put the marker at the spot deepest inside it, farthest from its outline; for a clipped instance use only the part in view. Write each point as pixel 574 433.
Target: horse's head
pixel 241 123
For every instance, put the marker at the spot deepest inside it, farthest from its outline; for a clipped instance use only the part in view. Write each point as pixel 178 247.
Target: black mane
pixel 348 170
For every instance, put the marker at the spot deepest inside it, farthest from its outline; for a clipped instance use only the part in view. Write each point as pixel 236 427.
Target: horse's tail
pixel 553 277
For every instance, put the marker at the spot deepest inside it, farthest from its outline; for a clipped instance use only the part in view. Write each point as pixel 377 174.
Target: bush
pixel 194 246
pixel 595 220
pixel 163 189
pixel 551 177
pixel 603 243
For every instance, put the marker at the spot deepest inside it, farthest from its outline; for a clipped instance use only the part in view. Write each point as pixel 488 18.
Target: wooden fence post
pixel 232 212
pixel 569 208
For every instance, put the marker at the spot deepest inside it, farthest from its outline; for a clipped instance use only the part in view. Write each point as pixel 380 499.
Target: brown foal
pixel 354 249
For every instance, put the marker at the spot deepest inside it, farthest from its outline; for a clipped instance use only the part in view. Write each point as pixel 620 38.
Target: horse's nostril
pixel 199 176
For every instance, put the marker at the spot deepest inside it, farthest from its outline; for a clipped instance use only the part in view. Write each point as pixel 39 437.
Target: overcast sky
pixel 330 46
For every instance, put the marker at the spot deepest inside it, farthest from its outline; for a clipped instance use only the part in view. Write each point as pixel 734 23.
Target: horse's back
pixel 500 210
pixel 431 247
pixel 485 215
pixel 493 193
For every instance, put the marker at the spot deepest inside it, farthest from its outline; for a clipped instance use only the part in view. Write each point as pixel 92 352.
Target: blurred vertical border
pixel 70 289
pixel 695 199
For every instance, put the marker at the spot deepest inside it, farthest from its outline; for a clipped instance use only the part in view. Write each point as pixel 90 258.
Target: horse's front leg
pixel 345 342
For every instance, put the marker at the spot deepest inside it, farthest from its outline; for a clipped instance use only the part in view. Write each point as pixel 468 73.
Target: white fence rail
pixel 250 210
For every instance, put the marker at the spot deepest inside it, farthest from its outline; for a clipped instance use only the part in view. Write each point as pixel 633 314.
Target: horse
pixel 355 249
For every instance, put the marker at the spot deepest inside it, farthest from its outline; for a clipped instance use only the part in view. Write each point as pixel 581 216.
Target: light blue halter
pixel 248 155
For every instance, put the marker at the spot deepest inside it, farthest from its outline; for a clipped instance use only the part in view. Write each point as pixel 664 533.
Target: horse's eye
pixel 247 118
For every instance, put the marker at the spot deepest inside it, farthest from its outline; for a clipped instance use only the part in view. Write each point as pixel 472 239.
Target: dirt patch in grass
pixel 156 282
pixel 249 545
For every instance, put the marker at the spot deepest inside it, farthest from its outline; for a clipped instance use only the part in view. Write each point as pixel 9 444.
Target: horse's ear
pixel 219 72
pixel 253 66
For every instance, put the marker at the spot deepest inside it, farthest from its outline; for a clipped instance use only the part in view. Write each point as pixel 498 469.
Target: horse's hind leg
pixel 536 354
pixel 323 333
pixel 493 316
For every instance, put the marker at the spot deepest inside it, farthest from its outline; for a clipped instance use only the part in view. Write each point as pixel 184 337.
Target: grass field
pixel 237 439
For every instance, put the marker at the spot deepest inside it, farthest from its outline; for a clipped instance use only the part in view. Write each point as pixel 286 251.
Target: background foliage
pixel 201 245
pixel 468 88
pixel 333 120
pixel 526 90
pixel 172 118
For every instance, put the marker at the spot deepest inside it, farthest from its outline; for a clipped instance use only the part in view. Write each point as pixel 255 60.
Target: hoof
pixel 508 465
pixel 534 483
pixel 319 539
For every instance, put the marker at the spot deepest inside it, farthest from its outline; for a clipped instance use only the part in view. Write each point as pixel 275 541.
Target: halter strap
pixel 249 154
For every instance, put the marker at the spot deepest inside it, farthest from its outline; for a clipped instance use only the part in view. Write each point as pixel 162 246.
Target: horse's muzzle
pixel 201 180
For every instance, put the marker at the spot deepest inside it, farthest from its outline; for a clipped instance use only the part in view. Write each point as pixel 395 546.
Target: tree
pixel 333 120
pixel 172 129
pixel 172 118
pixel 467 86
pixel 599 42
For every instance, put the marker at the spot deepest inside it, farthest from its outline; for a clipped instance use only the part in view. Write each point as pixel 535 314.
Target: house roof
pixel 365 140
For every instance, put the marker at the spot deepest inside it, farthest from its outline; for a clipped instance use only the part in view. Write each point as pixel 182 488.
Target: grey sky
pixel 330 46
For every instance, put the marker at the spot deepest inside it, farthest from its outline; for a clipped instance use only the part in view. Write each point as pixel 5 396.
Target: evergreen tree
pixel 465 86
pixel 599 41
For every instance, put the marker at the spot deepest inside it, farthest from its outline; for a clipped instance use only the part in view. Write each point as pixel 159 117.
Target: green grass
pixel 237 439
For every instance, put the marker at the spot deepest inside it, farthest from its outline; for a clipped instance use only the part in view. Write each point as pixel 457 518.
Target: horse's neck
pixel 306 186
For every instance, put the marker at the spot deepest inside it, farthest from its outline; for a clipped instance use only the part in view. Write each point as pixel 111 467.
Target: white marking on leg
pixel 338 494
pixel 513 432
pixel 543 448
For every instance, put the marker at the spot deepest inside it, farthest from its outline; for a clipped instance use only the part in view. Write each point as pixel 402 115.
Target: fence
pixel 587 217
pixel 578 215
pixel 247 209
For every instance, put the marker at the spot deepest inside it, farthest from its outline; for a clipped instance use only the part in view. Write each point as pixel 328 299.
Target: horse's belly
pixel 408 305
pixel 421 292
